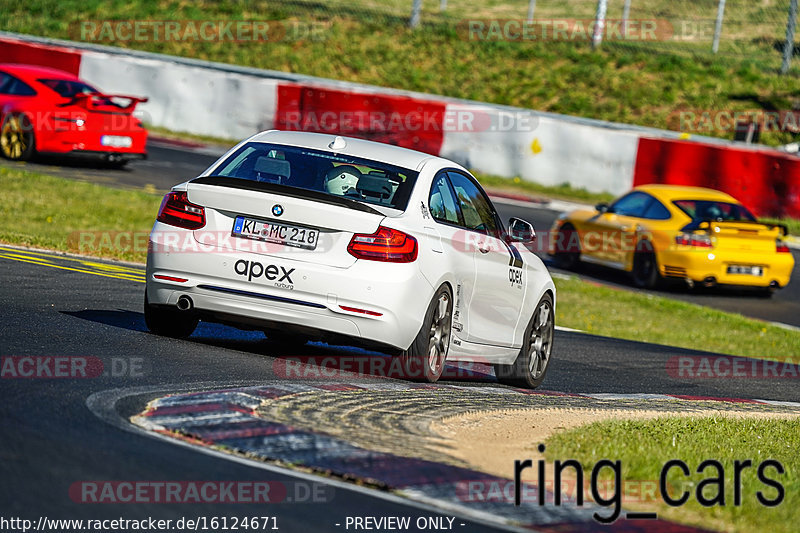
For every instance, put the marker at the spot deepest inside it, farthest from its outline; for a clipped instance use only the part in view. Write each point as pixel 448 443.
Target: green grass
pixel 369 42
pixel 55 213
pixel 158 131
pixel 644 317
pixel 50 212
pixel 561 192
pixel 643 447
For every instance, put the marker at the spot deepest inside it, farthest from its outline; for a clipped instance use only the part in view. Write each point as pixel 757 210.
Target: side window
pixel 475 207
pixel 657 211
pixel 441 203
pixel 632 205
pixel 11 85
pixel 5 82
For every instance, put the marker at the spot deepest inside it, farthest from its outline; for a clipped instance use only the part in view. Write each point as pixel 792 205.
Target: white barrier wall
pixel 506 142
pixel 186 98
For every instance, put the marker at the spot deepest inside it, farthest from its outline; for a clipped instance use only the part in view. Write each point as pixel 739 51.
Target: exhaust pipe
pixel 185 303
pixel 709 282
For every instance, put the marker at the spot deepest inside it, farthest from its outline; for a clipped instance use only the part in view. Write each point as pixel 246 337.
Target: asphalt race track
pixel 170 163
pixel 61 306
pixel 56 306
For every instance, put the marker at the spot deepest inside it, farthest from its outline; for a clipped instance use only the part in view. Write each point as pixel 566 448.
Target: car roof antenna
pixel 338 143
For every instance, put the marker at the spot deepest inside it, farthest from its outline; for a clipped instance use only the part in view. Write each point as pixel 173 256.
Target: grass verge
pixel 560 192
pixel 57 213
pixel 48 212
pixel 612 312
pixel 643 447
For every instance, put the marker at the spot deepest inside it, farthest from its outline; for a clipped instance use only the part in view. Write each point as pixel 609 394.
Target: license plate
pixel 278 233
pixel 746 270
pixel 116 141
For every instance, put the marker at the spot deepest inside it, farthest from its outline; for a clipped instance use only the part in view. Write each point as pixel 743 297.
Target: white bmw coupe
pixel 317 237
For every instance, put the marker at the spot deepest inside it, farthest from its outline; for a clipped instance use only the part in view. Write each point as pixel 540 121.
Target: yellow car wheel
pixel 567 248
pixel 645 273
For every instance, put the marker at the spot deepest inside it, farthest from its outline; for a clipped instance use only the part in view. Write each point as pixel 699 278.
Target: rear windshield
pixel 68 88
pixel 714 210
pixel 364 180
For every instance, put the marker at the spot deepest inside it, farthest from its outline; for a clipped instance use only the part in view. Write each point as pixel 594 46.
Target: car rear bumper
pixel 90 143
pixel 706 265
pixel 233 287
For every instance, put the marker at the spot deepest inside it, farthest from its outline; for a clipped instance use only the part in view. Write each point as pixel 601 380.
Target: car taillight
pixel 693 239
pixel 781 247
pixel 177 210
pixel 386 244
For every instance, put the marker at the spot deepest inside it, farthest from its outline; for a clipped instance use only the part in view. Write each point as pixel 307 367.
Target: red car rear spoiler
pixel 92 100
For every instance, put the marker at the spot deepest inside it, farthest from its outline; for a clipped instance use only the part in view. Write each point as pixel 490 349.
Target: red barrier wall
pixel 766 182
pixel 13 51
pixel 398 120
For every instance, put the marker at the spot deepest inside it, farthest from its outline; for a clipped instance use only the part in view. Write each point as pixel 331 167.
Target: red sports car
pixel 44 110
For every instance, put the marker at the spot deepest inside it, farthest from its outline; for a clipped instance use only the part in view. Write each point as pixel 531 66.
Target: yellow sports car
pixel 665 231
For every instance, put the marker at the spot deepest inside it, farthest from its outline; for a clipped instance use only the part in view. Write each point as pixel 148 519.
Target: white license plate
pixel 278 233
pixel 746 270
pixel 116 141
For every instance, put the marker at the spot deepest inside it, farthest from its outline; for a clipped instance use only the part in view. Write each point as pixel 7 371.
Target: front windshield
pixel 364 180
pixel 714 210
pixel 68 88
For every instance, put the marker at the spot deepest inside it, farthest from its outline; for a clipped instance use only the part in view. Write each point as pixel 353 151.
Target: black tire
pixel 117 165
pixel 17 139
pixel 169 322
pixel 766 292
pixel 645 274
pixel 530 367
pixel 425 359
pixel 567 248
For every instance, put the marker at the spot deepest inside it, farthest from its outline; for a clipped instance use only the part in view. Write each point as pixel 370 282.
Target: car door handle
pixel 484 250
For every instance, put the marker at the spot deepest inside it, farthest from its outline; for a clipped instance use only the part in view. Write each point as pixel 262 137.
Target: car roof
pixel 28 73
pixel 669 193
pixel 386 153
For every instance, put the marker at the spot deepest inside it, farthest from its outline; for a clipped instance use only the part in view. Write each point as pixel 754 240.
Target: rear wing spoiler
pixel 91 100
pixel 707 223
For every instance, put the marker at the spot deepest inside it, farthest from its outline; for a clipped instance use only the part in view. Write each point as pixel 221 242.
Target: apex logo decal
pixel 515 276
pixel 254 269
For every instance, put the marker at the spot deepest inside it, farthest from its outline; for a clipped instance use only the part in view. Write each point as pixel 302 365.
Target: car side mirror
pixel 602 207
pixel 520 231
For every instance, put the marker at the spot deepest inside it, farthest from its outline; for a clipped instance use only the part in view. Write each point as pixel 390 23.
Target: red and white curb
pixel 228 419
